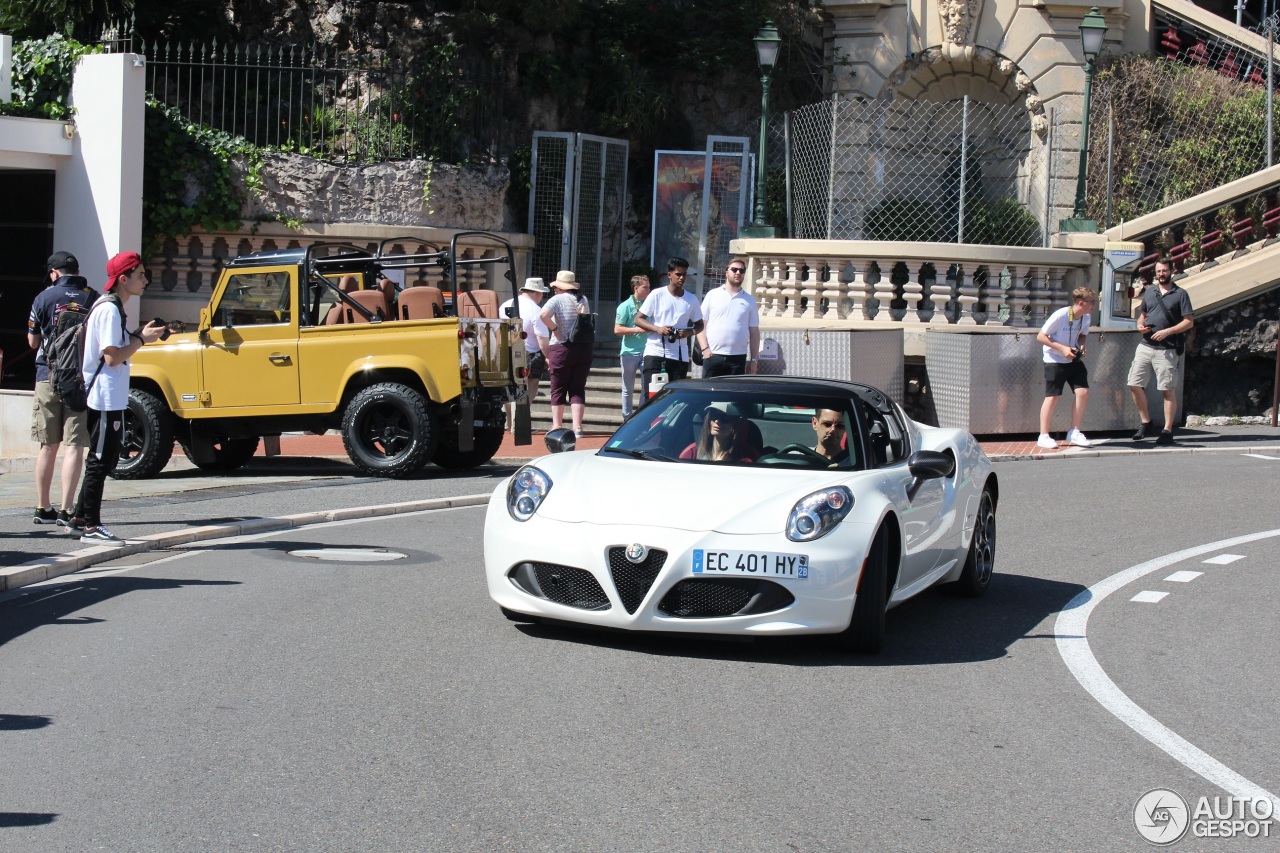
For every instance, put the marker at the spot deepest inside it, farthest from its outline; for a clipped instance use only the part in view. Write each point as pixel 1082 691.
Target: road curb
pixel 46 568
pixel 1093 453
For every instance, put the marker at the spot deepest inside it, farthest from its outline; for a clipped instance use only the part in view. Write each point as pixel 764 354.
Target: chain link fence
pixel 1191 118
pixel 954 172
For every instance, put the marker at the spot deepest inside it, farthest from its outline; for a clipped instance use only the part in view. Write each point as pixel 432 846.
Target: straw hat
pixel 566 280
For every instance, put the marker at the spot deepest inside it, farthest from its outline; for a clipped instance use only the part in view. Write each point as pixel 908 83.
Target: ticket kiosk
pixel 1119 269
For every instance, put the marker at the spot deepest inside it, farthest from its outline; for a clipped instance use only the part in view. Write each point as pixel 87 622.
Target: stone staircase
pixel 604 393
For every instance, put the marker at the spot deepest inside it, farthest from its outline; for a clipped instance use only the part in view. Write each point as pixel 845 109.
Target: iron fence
pixel 1195 116
pixel 957 172
pixel 337 106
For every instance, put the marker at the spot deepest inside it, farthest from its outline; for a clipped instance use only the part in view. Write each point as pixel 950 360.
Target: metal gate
pixel 577 207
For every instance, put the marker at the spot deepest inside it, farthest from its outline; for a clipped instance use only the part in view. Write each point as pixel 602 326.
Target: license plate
pixel 754 564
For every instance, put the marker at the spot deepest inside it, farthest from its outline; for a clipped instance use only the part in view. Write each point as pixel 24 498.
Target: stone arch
pixel 950 72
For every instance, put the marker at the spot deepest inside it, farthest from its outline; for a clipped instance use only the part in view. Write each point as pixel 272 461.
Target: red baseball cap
pixel 119 265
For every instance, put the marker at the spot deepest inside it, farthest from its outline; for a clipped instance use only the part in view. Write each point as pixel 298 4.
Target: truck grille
pixel 632 580
pixel 707 598
pixel 561 584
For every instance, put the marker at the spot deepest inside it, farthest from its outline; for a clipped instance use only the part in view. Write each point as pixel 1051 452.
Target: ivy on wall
pixel 42 72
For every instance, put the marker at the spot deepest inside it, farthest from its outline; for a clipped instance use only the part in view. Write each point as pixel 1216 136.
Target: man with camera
pixel 1063 337
pixel 671 317
pixel 1164 320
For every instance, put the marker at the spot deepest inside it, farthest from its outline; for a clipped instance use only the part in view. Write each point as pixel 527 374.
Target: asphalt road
pixel 234 697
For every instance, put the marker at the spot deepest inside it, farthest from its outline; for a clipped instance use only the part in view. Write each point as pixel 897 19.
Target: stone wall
pixel 1231 361
pixel 416 193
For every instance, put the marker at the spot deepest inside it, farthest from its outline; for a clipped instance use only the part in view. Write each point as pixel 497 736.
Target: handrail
pixel 1219 26
pixel 1206 202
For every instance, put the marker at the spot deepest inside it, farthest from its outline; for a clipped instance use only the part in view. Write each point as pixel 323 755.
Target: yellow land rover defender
pixel 322 338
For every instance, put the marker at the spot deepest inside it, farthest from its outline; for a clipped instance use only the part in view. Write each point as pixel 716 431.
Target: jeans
pixel 630 365
pixel 724 365
pixel 651 364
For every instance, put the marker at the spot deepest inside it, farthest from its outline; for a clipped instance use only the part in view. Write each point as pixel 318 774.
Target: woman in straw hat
pixel 568 363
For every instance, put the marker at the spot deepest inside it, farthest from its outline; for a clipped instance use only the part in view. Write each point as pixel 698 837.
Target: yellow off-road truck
pixel 319 338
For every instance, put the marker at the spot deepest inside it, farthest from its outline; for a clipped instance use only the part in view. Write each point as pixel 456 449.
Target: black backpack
pixel 65 353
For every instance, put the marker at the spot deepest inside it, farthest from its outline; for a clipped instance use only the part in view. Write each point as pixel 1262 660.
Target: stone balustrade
pixel 837 282
pixel 184 271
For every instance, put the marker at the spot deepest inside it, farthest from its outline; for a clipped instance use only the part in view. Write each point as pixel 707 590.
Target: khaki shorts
pixel 54 423
pixel 1163 362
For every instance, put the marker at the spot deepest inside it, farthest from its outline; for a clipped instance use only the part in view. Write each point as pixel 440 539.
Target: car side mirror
pixel 928 465
pixel 206 321
pixel 561 441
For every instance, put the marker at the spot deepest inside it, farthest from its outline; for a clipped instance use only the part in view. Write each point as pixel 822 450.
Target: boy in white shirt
pixel 1062 337
pixel 672 317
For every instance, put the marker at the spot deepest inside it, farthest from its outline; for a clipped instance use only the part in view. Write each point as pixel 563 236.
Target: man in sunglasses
pixel 730 338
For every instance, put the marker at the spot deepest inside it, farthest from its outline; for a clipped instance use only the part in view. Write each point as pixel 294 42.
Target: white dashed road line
pixel 1224 559
pixel 1260 456
pixel 1183 577
pixel 1070 631
pixel 1148 596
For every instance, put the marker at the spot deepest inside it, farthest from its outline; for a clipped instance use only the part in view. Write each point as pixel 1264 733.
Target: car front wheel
pixel 866 629
pixel 388 430
pixel 975 577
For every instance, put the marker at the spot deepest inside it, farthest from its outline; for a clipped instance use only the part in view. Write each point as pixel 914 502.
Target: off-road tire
pixel 975 577
pixel 866 629
pixel 147 443
pixel 447 455
pixel 220 454
pixel 389 431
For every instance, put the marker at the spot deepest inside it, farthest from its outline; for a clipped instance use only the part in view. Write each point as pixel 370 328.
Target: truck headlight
pixel 815 515
pixel 529 487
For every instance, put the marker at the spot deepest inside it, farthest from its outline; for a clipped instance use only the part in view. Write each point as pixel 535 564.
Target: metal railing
pixel 337 106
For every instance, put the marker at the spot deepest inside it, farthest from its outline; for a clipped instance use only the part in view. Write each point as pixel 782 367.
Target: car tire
pixel 147 443
pixel 388 430
pixel 866 629
pixel 217 454
pixel 975 577
pixel 487 442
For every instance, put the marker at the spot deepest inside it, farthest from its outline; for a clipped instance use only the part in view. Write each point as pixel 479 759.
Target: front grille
pixel 706 598
pixel 561 584
pixel 632 580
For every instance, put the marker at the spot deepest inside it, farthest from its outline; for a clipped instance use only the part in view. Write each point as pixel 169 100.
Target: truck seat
pixel 478 303
pixel 370 299
pixel 336 315
pixel 421 303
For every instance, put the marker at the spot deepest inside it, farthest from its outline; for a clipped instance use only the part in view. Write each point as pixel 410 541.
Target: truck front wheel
pixel 388 430
pixel 147 444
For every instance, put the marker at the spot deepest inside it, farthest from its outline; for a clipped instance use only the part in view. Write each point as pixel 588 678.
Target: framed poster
pixel 677 207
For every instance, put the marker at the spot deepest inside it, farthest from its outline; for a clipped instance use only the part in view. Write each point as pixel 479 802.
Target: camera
pixel 675 335
pixel 1076 353
pixel 164 336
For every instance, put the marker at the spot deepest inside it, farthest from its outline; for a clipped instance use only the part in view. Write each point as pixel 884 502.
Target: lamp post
pixel 767 43
pixel 1093 29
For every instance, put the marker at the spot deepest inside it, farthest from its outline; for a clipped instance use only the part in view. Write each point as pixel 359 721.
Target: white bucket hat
pixel 535 284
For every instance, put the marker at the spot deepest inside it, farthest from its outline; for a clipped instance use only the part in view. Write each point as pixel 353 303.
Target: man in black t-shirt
pixel 52 423
pixel 1164 320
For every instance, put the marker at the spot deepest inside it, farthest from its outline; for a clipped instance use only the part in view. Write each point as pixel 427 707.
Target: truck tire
pixel 487 442
pixel 388 430
pixel 148 438
pixel 215 454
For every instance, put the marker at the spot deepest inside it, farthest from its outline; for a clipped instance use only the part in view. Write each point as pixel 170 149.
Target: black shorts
pixel 1056 375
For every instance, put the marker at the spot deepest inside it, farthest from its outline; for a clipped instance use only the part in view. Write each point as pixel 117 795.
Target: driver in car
pixel 828 426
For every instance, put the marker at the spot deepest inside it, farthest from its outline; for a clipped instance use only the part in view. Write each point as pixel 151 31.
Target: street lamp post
pixel 1093 30
pixel 767 43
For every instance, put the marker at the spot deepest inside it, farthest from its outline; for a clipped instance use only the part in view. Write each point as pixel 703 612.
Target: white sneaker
pixel 1076 437
pixel 1046 442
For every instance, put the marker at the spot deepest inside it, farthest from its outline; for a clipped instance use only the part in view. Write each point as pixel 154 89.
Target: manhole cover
pixel 349 555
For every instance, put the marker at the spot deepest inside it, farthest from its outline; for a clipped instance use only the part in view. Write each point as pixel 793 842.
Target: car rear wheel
pixel 866 629
pixel 216 453
pixel 487 442
pixel 388 430
pixel 147 443
pixel 975 577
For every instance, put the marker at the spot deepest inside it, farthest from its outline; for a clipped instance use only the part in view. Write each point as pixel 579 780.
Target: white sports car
pixel 748 505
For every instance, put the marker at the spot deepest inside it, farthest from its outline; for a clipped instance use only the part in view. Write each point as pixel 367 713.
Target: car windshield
pixel 765 428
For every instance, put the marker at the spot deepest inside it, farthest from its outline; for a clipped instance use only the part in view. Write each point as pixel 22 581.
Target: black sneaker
pixel 1165 439
pixel 69 524
pixel 99 535
pixel 1143 431
pixel 45 516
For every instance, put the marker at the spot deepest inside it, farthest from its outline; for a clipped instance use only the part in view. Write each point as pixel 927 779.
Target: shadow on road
pixel 36 607
pixel 11 820
pixel 23 722
pixel 936 627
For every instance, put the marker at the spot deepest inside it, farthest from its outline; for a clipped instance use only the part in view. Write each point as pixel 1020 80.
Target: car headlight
pixel 529 487
pixel 815 515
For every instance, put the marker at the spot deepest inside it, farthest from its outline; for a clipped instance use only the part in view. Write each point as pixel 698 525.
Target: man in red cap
pixel 107 347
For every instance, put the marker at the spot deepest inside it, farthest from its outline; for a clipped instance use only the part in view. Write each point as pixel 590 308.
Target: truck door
pixel 250 356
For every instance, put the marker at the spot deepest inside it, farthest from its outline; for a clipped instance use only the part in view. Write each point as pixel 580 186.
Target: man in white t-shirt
pixel 108 345
pixel 731 340
pixel 535 334
pixel 1062 337
pixel 672 317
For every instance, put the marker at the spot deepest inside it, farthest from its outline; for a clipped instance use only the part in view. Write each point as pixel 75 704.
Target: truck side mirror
pixel 206 321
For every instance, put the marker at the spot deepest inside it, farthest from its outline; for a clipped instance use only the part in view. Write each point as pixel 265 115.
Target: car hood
pixel 606 490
